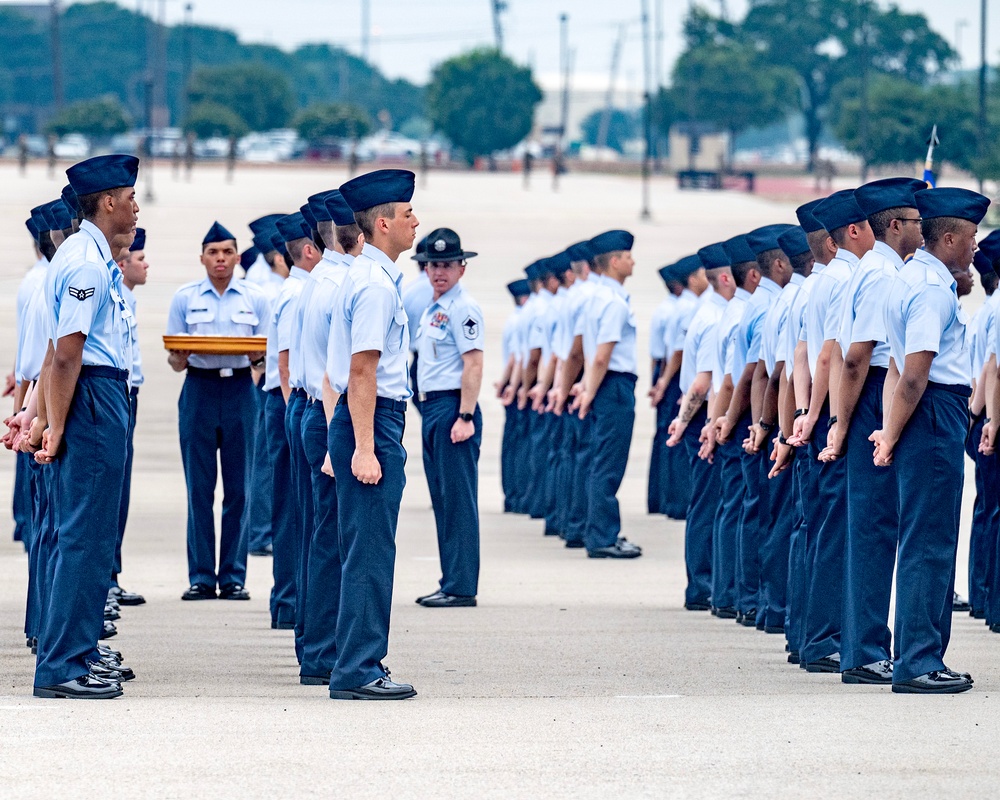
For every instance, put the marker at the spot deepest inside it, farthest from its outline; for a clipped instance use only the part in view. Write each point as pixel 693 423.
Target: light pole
pixel 647 111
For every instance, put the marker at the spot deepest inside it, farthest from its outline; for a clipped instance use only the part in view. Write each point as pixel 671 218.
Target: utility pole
pixel 366 28
pixel 983 67
pixel 616 54
pixel 57 82
pixel 183 104
pixel 498 7
pixel 647 111
pixel 863 117
pixel 557 165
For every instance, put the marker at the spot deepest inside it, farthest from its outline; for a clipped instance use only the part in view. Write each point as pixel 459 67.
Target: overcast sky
pixel 408 37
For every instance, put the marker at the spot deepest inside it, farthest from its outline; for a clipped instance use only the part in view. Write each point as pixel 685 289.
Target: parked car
pixel 72 146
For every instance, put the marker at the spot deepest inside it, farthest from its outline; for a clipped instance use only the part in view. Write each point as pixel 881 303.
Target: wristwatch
pixel 465 417
pixel 258 363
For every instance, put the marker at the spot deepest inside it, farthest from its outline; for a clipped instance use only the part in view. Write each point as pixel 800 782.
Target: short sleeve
pixel 705 355
pixel 469 334
pixel 83 289
pixel 925 320
pixel 175 317
pixel 372 309
pixel 834 312
pixel 869 311
pixel 286 322
pixel 611 322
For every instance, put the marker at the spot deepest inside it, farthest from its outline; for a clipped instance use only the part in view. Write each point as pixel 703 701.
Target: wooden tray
pixel 217 345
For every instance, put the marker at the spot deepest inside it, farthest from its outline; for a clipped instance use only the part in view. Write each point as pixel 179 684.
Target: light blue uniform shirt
pixel 369 315
pixel 658 327
pixel 524 326
pixel 199 310
pixel 508 339
pixel 562 339
pixel 864 303
pixel 700 343
pixel 797 317
pixel 825 308
pixel 986 332
pixel 772 343
pixel 282 331
pixel 922 314
pixel 578 302
pixel 450 327
pixel 540 332
pixel 317 299
pixel 32 279
pixel 677 325
pixel 83 287
pixel 611 319
pixel 32 337
pixel 137 376
pixel 417 295
pixel 751 327
pixel 728 329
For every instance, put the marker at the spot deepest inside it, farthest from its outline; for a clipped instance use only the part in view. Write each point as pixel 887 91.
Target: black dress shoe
pixel 622 548
pixel 825 664
pixel 726 612
pixel 695 605
pixel 199 591
pixel 282 626
pixel 436 593
pixel 959 604
pixel 126 598
pixel 575 544
pixel 234 591
pixel 749 619
pixel 86 687
pixel 944 682
pixel 877 673
pixel 266 550
pixel 793 657
pixel 125 673
pixel 977 613
pixel 441 600
pixel 774 629
pixel 109 630
pixel 378 689
pixel 315 680
pixel 109 652
pixel 110 614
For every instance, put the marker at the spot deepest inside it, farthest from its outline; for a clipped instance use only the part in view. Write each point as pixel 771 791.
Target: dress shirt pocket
pixel 246 316
pixel 199 316
pixel 395 340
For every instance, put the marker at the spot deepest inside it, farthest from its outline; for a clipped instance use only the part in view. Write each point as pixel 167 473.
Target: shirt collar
pixel 717 298
pixel 298 272
pixel 847 257
pixel 934 263
pixel 884 250
pixel 447 300
pixel 741 294
pixel 797 279
pixel 98 237
pixel 235 285
pixel 384 261
pixel 768 285
pixel 687 293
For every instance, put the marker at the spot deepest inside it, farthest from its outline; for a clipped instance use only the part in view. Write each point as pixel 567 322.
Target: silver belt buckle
pixel 422 397
pixel 225 373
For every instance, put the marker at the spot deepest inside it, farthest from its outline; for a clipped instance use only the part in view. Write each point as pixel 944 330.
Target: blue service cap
pixel 952 202
pixel 139 242
pixel 806 219
pixel 262 240
pixel 839 210
pixel 100 173
pixel 738 249
pixel 248 257
pixel 338 208
pixel 610 242
pixel 545 267
pixel 29 223
pixel 42 218
pixel 765 238
pixel 983 264
pixel 580 251
pixel 532 270
pixel 292 227
pixel 307 215
pixel 888 193
pixel 793 242
pixel 278 245
pixel 990 246
pixel 714 256
pixel 70 199
pixel 685 267
pixel 519 288
pixel 59 215
pixel 217 233
pixel 666 274
pixel 378 187
pixel 560 263
pixel 264 224
pixel 317 206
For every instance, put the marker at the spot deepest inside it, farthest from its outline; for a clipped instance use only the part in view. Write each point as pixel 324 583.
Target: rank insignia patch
pixel 81 294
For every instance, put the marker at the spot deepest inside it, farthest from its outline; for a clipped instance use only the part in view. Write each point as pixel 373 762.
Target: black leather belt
pixel 959 389
pixel 93 371
pixel 381 402
pixel 297 392
pixel 134 391
pixel 423 397
pixel 219 374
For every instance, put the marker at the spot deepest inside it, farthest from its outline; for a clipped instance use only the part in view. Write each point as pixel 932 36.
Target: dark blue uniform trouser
pixel 508 464
pixel 40 550
pixel 452 472
pixel 795 598
pixel 700 515
pixel 538 461
pixel 216 415
pixel 520 480
pixel 985 521
pixel 654 492
pixel 613 412
pixel 748 542
pixel 581 431
pixel 675 471
pixel 22 499
pixel 285 541
pixel 86 491
pixel 303 509
pixel 257 519
pixel 930 472
pixel 127 485
pixel 555 501
pixel 872 536
pixel 322 601
pixel 778 519
pixel 725 526
pixel 827 541
pixel 367 515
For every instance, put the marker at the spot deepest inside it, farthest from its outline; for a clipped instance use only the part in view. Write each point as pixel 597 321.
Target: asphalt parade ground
pixel 573 677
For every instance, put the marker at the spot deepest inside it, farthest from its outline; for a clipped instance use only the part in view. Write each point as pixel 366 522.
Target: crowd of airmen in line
pixel 312 474
pixel 799 335
pixel 814 386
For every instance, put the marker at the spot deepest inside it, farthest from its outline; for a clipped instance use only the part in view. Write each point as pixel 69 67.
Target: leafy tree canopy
pixel 207 119
pixel 261 95
pixel 101 118
pixel 622 127
pixel 332 121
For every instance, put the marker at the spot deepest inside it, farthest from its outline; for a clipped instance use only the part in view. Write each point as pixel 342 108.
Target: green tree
pixel 260 94
pixel 482 101
pixel 207 119
pixel 332 121
pixel 622 127
pixel 99 119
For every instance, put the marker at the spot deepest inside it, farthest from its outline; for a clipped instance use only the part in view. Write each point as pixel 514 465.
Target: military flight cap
pixel 443 244
pixel 61 216
pixel 983 264
pixel 888 193
pixel 714 256
pixel 545 267
pixel 793 242
pixel 839 210
pixel 307 215
pixel 262 239
pixel 806 219
pixel 580 251
pixel 265 223
pixel 990 246
pixel 217 233
pixel 69 198
pixel 611 242
pixel 560 263
pixel 338 208
pixel 535 270
pixel 519 288
pixel 378 187
pixel 685 267
pixel 761 240
pixel 249 256
pixel 139 242
pixel 318 207
pixel 100 173
pixel 665 273
pixel 43 221
pixel 738 249
pixel 29 223
pixel 952 202
pixel 278 244
pixel 293 226
pixel 419 251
